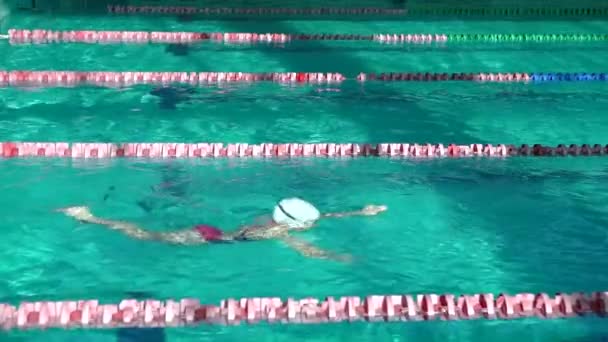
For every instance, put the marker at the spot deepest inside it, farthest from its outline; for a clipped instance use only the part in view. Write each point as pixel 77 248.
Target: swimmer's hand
pixel 80 213
pixel 368 210
pixel 371 210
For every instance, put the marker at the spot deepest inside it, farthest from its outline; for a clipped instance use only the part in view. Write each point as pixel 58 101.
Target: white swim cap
pixel 295 213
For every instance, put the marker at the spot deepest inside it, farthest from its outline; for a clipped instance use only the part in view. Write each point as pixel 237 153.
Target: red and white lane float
pixel 91 314
pixel 38 36
pixel 291 150
pixel 43 79
pixel 17 37
pixel 127 78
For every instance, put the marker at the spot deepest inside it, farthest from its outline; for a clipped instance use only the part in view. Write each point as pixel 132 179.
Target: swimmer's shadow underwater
pixel 178 50
pixel 171 97
pixel 173 191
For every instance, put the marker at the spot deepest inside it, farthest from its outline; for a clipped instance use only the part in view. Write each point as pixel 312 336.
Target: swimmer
pixel 179 50
pixel 171 96
pixel 289 215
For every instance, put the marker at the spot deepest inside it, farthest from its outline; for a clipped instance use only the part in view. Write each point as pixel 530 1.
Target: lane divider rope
pixel 537 12
pixel 90 314
pixel 29 78
pixel 38 36
pixel 270 150
pixel 600 11
pixel 190 10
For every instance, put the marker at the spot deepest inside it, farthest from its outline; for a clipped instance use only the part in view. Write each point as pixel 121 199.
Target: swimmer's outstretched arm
pixel 368 210
pixel 308 250
pixel 180 237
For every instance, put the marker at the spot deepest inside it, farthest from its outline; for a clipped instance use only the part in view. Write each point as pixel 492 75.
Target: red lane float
pixel 90 314
pixel 128 78
pixel 16 37
pixel 218 150
pixel 190 10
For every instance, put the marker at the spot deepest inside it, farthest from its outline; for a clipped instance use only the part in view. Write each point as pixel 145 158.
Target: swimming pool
pixel 453 225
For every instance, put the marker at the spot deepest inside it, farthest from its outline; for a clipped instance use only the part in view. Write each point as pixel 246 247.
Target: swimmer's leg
pixel 311 251
pixel 180 237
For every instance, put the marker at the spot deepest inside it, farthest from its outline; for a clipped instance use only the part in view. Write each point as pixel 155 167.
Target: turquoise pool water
pixel 458 226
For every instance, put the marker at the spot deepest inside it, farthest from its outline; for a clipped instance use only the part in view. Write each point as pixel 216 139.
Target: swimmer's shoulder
pixel 260 231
